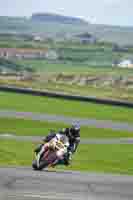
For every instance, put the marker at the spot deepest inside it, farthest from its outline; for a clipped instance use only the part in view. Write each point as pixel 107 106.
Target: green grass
pixel 99 89
pixel 116 158
pixel 46 66
pixel 37 128
pixel 87 90
pixel 15 153
pixel 58 66
pixel 12 43
pixel 92 158
pixel 19 102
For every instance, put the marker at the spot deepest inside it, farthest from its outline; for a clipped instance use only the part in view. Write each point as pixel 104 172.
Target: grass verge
pixel 38 128
pixel 19 102
pixel 113 158
pixel 93 158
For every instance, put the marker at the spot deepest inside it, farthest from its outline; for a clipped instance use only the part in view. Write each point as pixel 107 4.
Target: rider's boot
pixel 68 158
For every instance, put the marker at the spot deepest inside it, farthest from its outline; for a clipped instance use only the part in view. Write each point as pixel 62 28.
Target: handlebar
pixel 56 145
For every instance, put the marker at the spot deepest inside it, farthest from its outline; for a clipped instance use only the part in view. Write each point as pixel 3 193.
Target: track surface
pixel 25 184
pixel 54 118
pixel 83 141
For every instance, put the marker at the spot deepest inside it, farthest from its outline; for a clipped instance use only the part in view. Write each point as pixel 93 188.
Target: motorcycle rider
pixel 73 134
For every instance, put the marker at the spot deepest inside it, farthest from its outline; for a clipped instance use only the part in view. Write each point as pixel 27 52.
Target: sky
pixel 114 12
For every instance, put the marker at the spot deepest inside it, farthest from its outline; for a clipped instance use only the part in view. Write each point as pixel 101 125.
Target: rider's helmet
pixel 76 126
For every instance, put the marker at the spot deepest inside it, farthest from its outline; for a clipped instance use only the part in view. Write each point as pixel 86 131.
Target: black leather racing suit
pixel 74 138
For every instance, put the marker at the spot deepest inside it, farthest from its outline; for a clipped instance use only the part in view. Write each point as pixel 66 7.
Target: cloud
pixel 111 1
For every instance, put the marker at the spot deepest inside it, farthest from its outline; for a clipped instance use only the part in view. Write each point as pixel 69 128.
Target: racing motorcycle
pixel 51 153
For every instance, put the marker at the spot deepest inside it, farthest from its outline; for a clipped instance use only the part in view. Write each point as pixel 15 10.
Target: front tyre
pixel 43 164
pixel 34 165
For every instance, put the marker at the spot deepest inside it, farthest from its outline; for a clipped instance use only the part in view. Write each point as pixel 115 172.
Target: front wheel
pixel 34 165
pixel 42 165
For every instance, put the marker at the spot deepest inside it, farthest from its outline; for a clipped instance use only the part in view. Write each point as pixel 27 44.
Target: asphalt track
pixel 26 184
pixel 68 120
pixel 83 141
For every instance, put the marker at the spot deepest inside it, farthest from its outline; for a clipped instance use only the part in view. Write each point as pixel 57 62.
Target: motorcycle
pixel 51 153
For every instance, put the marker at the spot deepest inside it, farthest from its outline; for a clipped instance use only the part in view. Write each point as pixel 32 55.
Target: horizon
pixel 107 12
pixel 89 22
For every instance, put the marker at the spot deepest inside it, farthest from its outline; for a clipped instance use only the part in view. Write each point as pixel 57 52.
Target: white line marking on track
pixel 54 197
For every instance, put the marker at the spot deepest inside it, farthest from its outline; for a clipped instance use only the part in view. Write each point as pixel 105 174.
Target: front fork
pixel 39 155
pixel 60 157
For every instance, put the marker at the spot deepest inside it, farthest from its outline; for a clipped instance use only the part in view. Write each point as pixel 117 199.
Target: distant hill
pixel 34 25
pixel 49 17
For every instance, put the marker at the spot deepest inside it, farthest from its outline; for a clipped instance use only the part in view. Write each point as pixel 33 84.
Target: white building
pixel 126 63
pixel 52 55
pixel 38 38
